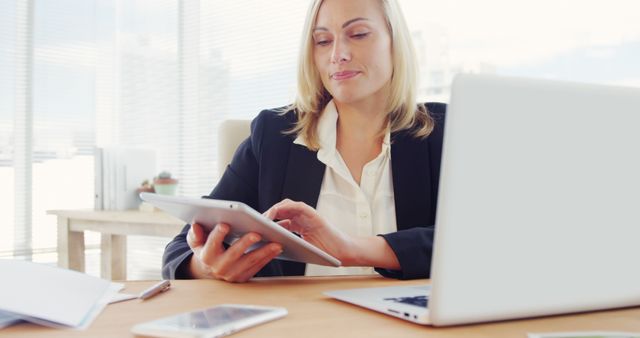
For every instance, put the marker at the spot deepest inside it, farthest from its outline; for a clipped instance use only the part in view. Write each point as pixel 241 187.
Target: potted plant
pixel 145 186
pixel 164 184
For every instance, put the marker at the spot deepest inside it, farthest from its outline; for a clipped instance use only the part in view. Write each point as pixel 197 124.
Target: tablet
pixel 241 219
pixel 217 321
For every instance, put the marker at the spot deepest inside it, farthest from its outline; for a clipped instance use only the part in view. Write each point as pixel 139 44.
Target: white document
pixel 7 319
pixel 53 296
pixel 91 315
pixel 121 297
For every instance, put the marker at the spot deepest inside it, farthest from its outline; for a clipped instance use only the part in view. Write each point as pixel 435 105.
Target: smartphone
pixel 217 321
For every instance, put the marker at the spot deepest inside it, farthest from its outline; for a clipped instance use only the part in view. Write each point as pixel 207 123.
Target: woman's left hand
pixel 304 220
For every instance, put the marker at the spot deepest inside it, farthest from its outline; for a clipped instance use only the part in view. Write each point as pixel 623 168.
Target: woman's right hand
pixel 211 260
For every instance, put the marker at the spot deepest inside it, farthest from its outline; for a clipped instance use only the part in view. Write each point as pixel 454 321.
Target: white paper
pixel 45 294
pixel 7 319
pixel 91 315
pixel 121 297
pixel 585 334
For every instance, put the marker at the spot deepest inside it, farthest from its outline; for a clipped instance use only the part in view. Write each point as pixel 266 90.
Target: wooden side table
pixel 114 227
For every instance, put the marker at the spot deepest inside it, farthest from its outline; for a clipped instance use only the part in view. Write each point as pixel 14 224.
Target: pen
pixel 156 289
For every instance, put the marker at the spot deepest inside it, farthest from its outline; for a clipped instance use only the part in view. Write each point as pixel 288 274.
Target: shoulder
pixel 437 111
pixel 269 129
pixel 275 119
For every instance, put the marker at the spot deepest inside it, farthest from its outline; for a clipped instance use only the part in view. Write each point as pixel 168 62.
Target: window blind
pixel 75 74
pixel 47 57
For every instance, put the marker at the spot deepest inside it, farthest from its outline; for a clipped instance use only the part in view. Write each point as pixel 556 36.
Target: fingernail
pixel 254 237
pixel 221 229
pixel 276 249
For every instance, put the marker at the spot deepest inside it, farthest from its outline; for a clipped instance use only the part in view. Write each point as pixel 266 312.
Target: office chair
pixel 230 134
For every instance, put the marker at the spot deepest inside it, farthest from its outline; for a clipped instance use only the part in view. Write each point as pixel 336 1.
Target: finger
pixel 284 204
pixel 304 207
pixel 236 251
pixel 254 262
pixel 214 246
pixel 195 236
pixel 285 210
pixel 285 223
pixel 253 271
pixel 271 213
pixel 285 201
pixel 246 263
pixel 289 225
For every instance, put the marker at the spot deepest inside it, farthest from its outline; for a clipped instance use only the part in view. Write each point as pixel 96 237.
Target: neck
pixel 363 121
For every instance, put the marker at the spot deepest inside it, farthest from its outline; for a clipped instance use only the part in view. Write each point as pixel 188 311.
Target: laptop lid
pixel 539 200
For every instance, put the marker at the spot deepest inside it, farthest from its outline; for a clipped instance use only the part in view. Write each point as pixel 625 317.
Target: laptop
pixel 538 205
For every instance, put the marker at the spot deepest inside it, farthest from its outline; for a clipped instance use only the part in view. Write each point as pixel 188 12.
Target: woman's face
pixel 352 50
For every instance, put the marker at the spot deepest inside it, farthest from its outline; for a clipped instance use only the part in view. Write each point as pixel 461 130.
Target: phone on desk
pixel 217 321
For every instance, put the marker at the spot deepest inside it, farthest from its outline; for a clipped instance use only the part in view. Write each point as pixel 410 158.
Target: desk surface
pixel 311 314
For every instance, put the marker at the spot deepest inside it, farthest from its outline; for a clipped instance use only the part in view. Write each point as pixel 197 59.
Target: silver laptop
pixel 539 205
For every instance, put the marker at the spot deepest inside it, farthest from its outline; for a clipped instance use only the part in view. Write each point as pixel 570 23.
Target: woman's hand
pixel 211 260
pixel 351 251
pixel 302 219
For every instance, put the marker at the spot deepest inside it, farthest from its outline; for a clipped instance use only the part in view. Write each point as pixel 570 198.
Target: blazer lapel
pixel 304 175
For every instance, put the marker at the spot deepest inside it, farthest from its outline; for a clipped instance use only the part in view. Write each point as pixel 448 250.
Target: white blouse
pixel 367 209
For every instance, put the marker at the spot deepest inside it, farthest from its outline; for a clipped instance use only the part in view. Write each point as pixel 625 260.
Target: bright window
pixel 164 73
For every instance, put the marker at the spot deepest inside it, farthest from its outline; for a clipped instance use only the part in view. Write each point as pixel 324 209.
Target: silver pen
pixel 156 289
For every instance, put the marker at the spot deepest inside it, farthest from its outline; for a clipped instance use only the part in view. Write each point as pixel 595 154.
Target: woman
pixel 355 146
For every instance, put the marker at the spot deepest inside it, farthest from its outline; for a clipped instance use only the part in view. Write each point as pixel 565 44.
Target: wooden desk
pixel 114 227
pixel 311 314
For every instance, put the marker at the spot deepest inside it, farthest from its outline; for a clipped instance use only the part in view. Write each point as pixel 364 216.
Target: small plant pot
pixel 165 186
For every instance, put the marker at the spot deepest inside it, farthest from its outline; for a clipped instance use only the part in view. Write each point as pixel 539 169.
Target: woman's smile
pixel 344 75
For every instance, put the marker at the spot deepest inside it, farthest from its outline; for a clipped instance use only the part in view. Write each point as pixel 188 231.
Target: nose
pixel 341 52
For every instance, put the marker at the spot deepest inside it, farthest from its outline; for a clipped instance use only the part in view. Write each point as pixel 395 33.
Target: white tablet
pixel 217 321
pixel 241 219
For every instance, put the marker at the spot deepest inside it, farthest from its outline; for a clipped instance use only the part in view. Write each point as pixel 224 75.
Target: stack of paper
pixel 7 319
pixel 51 296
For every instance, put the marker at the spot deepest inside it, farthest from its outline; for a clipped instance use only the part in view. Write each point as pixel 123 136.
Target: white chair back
pixel 230 134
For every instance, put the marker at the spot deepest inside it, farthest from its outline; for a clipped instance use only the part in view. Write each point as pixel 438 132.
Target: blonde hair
pixel 312 96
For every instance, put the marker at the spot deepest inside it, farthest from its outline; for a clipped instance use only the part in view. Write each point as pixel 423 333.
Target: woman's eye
pixel 323 42
pixel 360 35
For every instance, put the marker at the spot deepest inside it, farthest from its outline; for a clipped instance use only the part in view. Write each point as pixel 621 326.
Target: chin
pixel 347 96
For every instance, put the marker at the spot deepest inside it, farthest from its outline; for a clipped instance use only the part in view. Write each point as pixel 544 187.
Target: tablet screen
pixel 211 317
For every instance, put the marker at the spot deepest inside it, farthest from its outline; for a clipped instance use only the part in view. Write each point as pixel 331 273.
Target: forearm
pixel 175 257
pixel 372 251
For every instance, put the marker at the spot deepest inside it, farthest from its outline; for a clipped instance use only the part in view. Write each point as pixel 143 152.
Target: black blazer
pixel 268 167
